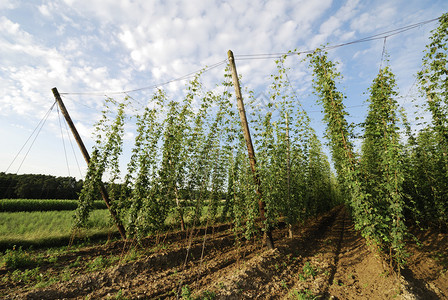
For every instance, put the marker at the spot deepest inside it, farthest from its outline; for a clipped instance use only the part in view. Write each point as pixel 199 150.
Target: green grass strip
pixel 49 228
pixel 16 205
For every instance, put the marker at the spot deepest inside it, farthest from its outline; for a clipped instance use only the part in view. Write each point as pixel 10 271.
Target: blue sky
pixel 99 47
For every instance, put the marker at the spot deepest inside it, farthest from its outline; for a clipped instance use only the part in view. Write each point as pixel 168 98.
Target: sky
pixel 92 49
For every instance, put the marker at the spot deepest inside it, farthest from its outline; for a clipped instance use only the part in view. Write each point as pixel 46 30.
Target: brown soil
pixel 326 259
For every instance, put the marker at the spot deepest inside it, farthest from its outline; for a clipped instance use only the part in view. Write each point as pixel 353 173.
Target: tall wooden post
pixel 250 148
pixel 288 167
pixel 86 155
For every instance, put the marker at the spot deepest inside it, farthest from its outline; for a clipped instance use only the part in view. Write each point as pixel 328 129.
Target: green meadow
pixel 49 228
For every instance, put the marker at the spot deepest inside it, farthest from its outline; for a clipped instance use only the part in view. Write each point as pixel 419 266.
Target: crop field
pixel 326 256
pixel 48 227
pixel 16 205
pixel 31 222
pixel 205 210
pixel 49 222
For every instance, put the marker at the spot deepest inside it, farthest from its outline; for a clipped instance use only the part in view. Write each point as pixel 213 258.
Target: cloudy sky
pixel 99 47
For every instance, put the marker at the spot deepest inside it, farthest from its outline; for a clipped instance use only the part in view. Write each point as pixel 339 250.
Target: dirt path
pixel 326 259
pixel 426 275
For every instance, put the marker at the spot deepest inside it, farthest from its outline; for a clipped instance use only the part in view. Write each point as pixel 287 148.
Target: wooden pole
pixel 86 155
pixel 288 168
pixel 250 148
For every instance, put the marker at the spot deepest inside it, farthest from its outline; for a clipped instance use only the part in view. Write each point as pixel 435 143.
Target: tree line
pixel 38 186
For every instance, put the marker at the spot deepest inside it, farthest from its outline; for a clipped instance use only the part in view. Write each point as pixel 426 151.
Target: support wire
pixel 38 129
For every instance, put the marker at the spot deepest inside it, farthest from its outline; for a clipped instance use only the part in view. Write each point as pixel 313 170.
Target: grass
pixel 16 205
pixel 54 228
pixel 35 277
pixel 186 294
pixel 29 267
pixel 17 258
pixel 302 295
pixel 101 263
pixel 25 267
pixel 308 271
pixel 48 228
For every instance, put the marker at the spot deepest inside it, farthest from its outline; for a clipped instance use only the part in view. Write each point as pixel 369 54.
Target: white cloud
pixel 32 69
pixel 96 45
pixel 332 27
pixel 193 32
pixel 7 4
pixel 9 27
pixel 363 23
pixel 347 36
pixel 377 17
pixel 44 10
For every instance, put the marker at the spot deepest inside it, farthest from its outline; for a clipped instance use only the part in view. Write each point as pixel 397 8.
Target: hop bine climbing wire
pixel 198 152
pixel 86 155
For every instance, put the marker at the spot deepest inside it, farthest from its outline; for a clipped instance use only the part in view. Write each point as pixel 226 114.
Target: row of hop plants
pixel 190 154
pixel 399 176
pixel 296 178
pixel 427 153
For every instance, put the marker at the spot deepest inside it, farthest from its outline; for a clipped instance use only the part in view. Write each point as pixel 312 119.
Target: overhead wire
pixel 382 35
pixel 154 86
pixel 63 142
pixel 294 93
pixel 383 54
pixel 73 150
pixel 377 36
pixel 38 128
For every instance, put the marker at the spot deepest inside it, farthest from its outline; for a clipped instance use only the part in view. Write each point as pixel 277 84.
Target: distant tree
pixel 34 186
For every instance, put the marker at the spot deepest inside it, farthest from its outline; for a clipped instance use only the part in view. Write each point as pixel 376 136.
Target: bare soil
pixel 325 259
